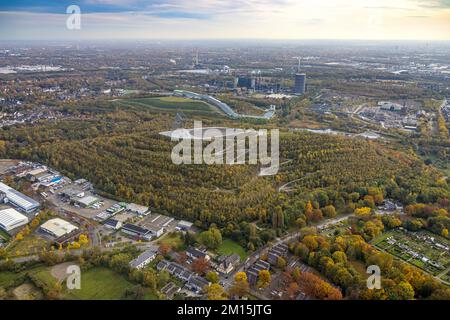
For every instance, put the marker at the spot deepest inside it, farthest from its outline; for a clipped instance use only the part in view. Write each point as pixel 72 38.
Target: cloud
pixel 192 19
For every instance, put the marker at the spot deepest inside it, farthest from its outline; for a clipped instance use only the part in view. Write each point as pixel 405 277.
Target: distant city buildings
pixel 246 82
pixel 300 83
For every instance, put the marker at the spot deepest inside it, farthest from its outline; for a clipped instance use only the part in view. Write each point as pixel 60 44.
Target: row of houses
pixel 253 271
pixel 192 281
pixel 143 259
pixel 276 252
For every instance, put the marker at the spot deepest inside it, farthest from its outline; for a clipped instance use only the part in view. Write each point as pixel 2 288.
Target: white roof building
pixel 18 199
pixel 58 227
pixel 11 219
pixel 87 201
pixel 138 209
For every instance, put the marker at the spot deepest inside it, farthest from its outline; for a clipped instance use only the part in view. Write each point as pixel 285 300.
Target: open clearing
pixel 60 270
pixel 229 246
pixel 100 284
pixel 27 291
pixel 174 240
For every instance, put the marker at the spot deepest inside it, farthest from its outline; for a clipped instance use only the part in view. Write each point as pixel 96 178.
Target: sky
pixel 227 19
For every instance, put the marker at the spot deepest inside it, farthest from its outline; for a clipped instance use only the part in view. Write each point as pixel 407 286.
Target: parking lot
pixel 89 213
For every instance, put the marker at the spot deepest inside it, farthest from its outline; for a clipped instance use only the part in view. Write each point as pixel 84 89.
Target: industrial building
pixel 113 224
pixel 10 219
pixel 86 201
pixel 246 82
pixel 137 232
pixel 19 200
pixel 138 209
pixel 58 227
pixel 184 225
pixel 300 83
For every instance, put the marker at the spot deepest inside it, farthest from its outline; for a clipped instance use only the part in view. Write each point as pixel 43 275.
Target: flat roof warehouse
pixel 18 199
pixel 11 219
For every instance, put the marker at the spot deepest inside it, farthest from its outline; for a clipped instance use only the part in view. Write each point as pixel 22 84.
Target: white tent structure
pixel 11 219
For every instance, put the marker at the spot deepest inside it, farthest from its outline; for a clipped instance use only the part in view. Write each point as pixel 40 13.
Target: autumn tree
pixel 263 278
pixel 212 277
pixel 240 285
pixel 164 249
pixel 200 266
pixel 215 292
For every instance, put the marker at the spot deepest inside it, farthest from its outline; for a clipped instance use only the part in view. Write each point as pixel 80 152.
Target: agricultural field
pixel 229 246
pixel 172 104
pixel 422 249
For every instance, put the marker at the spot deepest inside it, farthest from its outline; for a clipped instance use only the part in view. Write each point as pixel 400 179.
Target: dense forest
pixel 120 151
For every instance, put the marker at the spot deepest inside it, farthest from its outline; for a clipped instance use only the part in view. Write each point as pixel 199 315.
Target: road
pixel 228 282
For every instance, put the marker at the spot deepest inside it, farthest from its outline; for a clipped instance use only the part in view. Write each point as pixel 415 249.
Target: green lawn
pixel 42 277
pixel 174 240
pixel 171 104
pixel 229 246
pixel 100 284
pixel 4 235
pixel 8 278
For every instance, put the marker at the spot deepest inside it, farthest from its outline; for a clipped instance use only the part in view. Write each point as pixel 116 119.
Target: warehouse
pixel 138 209
pixel 11 219
pixel 86 201
pixel 137 232
pixel 184 225
pixel 58 227
pixel 19 200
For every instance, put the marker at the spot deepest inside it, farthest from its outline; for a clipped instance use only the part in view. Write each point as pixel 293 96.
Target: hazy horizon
pixel 415 20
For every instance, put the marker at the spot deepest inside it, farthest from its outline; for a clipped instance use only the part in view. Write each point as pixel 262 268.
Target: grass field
pixel 229 246
pixel 3 235
pixel 100 284
pixel 172 104
pixel 174 240
pixel 30 244
pixel 8 279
